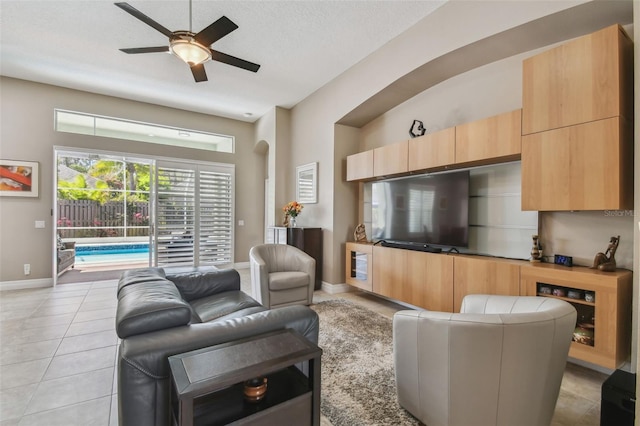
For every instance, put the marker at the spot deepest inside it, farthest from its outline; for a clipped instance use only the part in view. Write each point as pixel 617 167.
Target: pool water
pixel 112 254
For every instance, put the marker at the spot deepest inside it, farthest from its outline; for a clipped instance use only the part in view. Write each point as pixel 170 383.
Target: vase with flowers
pixel 292 210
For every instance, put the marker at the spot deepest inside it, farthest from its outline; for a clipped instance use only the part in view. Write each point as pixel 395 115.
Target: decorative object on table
pixel 536 252
pixel 589 296
pixel 574 294
pixel 255 389
pixel 307 183
pixel 559 292
pixel 583 333
pixel 292 210
pixel 18 178
pixel 417 129
pixel 360 234
pixel 561 259
pixel 545 290
pixel 606 261
pixel 285 221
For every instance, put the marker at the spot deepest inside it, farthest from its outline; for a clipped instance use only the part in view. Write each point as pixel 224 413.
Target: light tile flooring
pixel 59 348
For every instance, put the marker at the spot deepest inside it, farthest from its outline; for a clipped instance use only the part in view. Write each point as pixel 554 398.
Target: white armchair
pixel 281 275
pixel 499 361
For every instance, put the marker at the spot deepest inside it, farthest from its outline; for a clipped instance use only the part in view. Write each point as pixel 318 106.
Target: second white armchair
pixel 281 275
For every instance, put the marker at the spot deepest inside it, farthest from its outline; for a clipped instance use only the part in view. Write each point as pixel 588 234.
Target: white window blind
pixel 194 214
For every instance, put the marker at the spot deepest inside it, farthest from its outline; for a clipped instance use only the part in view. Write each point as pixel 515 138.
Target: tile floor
pixel 59 347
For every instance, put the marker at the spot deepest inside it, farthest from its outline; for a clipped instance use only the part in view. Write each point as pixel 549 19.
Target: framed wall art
pixel 18 178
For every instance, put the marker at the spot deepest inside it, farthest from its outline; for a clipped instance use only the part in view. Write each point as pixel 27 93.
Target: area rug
pixel 358 382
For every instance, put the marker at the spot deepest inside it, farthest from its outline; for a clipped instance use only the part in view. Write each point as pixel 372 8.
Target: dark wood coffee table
pixel 208 384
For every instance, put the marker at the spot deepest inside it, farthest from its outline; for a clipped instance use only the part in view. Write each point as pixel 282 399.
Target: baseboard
pixel 26 284
pixel 336 288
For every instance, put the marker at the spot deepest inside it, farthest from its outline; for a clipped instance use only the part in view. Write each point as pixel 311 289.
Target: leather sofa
pixel 160 314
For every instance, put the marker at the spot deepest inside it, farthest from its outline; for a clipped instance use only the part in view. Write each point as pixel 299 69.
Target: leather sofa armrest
pixel 197 284
pixel 148 353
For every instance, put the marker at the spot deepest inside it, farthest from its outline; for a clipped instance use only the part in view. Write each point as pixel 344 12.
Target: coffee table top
pixel 216 367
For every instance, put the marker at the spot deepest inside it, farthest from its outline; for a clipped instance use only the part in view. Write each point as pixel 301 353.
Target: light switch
pixel 241 222
pixel 39 223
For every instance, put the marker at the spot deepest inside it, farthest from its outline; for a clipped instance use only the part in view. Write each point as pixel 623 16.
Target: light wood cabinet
pixel 583 167
pixel 430 281
pixel 360 166
pixel 432 150
pixel 489 140
pixel 420 279
pixel 359 265
pixel 586 79
pixel 609 313
pixel 390 272
pixel 484 275
pixel 391 159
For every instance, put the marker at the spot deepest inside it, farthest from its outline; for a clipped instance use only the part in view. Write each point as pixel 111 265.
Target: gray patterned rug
pixel 358 382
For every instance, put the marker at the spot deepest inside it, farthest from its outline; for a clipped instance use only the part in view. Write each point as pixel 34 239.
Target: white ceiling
pixel 300 45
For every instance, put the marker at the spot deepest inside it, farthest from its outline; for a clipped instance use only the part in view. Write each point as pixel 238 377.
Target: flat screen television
pixel 427 209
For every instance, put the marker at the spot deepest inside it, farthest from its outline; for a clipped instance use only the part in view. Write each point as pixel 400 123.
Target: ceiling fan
pixel 192 48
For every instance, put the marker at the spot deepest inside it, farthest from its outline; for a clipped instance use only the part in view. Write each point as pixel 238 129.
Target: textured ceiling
pixel 300 45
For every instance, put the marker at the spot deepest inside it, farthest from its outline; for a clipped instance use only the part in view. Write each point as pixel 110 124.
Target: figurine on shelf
pixel 606 261
pixel 360 234
pixel 285 222
pixel 536 253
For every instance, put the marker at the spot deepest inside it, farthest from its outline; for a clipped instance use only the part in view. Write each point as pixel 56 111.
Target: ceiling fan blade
pixel 199 74
pixel 158 49
pixel 232 60
pixel 144 18
pixel 215 31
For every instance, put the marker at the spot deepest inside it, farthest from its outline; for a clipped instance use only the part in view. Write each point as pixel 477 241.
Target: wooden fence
pixel 109 219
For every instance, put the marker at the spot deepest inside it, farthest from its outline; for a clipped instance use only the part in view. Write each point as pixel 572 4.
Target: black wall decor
pixel 417 129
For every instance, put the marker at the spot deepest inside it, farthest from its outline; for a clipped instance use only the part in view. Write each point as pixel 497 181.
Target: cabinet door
pixel 477 275
pixel 360 166
pixel 391 159
pixel 587 79
pixel 584 167
pixel 432 150
pixel 430 281
pixel 389 272
pixel 359 265
pixel 484 141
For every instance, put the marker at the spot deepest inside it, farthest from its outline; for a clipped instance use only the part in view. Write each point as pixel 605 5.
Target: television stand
pixel 411 246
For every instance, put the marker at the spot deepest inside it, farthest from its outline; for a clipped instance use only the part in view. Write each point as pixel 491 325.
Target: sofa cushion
pixel 287 280
pixel 148 306
pixel 219 305
pixel 199 282
pixel 134 276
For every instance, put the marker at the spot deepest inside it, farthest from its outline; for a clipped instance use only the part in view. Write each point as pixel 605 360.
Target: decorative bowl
pixel 574 294
pixel 255 389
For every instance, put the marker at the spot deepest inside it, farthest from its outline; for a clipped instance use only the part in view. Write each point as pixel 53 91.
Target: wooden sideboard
pixel 439 282
pixel 308 240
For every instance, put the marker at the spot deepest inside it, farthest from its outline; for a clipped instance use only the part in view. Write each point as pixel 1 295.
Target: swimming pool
pixel 92 254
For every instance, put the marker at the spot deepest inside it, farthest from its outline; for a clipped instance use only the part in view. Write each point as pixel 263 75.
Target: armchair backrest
pixel 500 361
pixel 282 257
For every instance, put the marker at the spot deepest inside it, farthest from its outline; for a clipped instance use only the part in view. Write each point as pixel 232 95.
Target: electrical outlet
pixel 27 268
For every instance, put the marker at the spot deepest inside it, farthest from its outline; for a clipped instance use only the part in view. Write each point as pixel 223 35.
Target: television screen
pixel 427 209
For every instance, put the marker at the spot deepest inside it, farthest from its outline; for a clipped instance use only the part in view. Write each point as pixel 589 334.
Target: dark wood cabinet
pixel 308 240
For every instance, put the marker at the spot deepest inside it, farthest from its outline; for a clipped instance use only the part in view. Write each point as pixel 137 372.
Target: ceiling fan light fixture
pixel 190 51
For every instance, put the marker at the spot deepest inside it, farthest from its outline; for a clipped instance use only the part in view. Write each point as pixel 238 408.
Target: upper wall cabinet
pixel 586 79
pixel 360 166
pixel 583 167
pixel 432 150
pixel 489 139
pixel 391 159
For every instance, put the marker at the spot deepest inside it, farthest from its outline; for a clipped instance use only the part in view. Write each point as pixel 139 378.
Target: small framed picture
pixel 18 178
